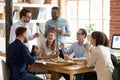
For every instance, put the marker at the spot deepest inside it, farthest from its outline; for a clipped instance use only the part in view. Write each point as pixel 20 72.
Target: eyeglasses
pixel 80 34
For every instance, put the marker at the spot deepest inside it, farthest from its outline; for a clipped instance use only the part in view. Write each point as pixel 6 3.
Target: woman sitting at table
pixel 99 56
pixel 48 51
pixel 48 48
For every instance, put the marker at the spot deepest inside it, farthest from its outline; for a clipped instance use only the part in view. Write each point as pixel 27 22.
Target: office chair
pixel 4 70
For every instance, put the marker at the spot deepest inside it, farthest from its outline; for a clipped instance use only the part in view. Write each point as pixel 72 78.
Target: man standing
pixel 25 16
pixel 59 25
pixel 18 56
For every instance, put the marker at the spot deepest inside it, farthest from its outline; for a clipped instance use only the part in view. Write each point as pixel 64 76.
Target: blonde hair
pixel 53 46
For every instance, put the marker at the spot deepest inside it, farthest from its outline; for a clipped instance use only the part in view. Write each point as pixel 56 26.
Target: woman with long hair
pixel 48 48
pixel 99 56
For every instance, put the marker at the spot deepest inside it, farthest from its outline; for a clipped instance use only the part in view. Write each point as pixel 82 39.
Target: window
pixel 80 13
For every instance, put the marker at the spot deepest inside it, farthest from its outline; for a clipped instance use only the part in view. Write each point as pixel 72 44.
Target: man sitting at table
pixel 78 48
pixel 18 56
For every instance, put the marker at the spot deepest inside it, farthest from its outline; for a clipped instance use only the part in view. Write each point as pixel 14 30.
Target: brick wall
pixel 115 17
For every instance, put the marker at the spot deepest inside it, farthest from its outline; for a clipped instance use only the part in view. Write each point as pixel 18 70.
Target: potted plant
pixel 90 28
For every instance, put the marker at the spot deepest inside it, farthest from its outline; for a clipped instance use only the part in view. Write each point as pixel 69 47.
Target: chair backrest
pixel 114 60
pixel 4 70
pixel 116 72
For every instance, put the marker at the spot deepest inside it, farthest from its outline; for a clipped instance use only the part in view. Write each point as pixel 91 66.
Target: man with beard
pixel 18 56
pixel 25 16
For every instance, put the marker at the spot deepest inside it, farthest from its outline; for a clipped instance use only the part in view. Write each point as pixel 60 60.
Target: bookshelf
pixel 44 9
pixel 43 14
pixel 2 27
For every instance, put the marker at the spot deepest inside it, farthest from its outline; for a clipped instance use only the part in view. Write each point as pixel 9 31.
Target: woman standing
pixel 99 56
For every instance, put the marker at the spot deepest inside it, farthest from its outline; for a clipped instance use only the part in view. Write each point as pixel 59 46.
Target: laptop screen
pixel 115 41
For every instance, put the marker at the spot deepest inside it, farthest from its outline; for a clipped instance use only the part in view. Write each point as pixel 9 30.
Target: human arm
pixel 47 28
pixel 64 30
pixel 35 35
pixel 67 28
pixel 12 34
pixel 29 58
pixel 42 54
pixel 30 35
pixel 67 50
pixel 91 55
pixel 55 54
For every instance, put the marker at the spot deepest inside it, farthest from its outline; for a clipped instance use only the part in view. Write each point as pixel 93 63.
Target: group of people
pixel 18 55
pixel 56 29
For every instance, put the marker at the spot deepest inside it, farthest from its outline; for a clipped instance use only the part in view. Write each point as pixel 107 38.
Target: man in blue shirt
pixel 59 25
pixel 18 56
pixel 78 48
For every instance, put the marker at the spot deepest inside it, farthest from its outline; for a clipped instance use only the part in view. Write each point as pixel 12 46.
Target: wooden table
pixel 70 68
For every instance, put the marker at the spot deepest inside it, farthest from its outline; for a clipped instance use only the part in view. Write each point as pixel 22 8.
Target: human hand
pixel 36 35
pixel 53 56
pixel 62 45
pixel 53 28
pixel 36 49
pixel 66 57
pixel 31 68
pixel 57 52
pixel 87 47
pixel 59 31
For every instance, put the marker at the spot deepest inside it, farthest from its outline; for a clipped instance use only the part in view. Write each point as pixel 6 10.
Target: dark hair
pixel 55 8
pixel 99 37
pixel 20 30
pixel 84 32
pixel 24 12
pixel 106 43
pixel 53 46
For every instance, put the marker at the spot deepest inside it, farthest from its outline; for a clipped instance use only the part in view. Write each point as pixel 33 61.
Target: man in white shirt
pixel 25 16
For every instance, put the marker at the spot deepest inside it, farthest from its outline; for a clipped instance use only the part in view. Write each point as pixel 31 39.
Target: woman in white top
pixel 48 48
pixel 99 56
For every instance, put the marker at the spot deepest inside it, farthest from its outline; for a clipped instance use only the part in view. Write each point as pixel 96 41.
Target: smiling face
pixel 51 36
pixel 27 17
pixel 55 14
pixel 80 36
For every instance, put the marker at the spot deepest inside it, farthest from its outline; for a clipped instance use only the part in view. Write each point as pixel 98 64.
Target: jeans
pixel 31 77
pixel 90 75
pixel 77 76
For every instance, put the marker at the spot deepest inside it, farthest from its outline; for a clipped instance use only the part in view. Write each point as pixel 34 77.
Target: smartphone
pixel 33 47
pixel 32 51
